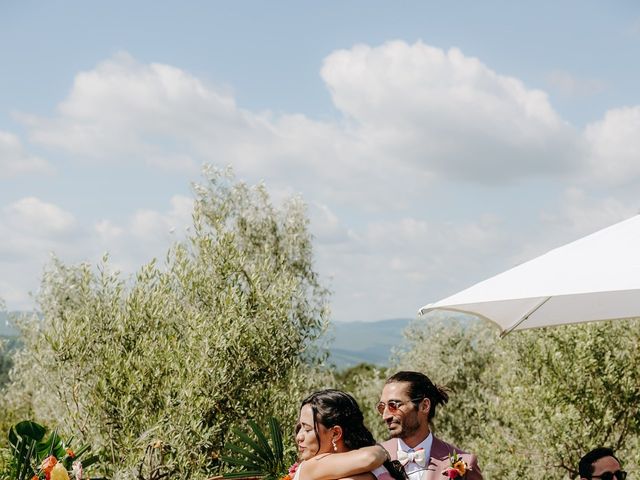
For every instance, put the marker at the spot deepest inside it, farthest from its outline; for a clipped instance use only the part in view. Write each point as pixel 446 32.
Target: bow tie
pixel 419 457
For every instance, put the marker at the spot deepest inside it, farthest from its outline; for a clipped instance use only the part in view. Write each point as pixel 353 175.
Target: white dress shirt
pixel 415 471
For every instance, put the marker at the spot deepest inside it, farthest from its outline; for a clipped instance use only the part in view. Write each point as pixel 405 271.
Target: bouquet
pixel 38 458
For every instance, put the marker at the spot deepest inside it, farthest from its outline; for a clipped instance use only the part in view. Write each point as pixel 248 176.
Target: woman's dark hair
pixel 420 387
pixel 335 407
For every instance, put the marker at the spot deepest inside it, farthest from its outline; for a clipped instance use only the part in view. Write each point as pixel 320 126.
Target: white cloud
pixel 32 230
pixel 38 218
pixel 150 224
pixel 446 113
pixel 614 147
pixel 15 161
pixel 393 267
pixel 414 118
pixel 410 111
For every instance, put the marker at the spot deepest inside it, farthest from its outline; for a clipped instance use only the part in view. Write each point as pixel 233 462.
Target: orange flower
pixel 35 477
pixel 70 453
pixel 461 467
pixel 286 477
pixel 47 464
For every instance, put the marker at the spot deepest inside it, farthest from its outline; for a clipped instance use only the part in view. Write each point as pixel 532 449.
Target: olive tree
pixel 154 370
pixel 531 404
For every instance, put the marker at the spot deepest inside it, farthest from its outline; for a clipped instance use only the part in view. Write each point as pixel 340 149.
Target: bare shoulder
pixel 362 476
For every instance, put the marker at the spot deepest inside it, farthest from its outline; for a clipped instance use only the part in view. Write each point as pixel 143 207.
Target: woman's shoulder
pixel 361 476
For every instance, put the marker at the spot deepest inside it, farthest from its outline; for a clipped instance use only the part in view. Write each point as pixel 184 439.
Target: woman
pixel 334 443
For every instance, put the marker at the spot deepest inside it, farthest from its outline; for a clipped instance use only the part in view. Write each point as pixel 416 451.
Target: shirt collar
pixel 426 444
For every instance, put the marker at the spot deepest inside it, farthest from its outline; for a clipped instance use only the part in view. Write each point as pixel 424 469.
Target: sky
pixel 434 143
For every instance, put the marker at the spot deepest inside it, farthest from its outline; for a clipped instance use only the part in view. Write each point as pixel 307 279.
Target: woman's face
pixel 306 436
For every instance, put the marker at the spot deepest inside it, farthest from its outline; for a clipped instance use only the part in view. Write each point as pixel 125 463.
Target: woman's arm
pixel 338 465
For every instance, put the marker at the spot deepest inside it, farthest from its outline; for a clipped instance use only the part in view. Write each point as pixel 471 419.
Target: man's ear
pixel 425 406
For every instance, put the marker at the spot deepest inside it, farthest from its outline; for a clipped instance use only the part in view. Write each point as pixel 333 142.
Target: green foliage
pixel 530 405
pixel 259 453
pixel 364 381
pixel 155 371
pixel 8 345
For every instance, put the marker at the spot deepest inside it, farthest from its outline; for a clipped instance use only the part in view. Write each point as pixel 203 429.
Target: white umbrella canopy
pixel 594 278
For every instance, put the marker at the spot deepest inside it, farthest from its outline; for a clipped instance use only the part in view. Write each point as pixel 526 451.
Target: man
pixel 602 464
pixel 407 405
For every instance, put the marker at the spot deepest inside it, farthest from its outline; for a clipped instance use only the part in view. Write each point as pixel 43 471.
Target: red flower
pixel 451 473
pixel 47 464
pixel 293 468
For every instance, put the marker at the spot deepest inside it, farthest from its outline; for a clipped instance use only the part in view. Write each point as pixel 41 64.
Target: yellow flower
pixel 461 466
pixel 59 472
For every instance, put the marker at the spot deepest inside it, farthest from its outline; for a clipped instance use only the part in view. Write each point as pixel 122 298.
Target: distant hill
pixel 6 330
pixel 351 343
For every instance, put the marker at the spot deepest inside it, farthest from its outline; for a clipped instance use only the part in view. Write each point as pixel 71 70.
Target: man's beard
pixel 406 429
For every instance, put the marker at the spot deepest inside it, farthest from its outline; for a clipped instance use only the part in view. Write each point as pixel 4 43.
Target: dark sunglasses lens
pixel 619 475
pixel 380 407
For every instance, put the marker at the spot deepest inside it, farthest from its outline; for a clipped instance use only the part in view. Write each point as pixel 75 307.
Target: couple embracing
pixel 333 442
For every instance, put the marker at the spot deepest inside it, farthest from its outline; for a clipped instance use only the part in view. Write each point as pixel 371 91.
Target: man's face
pixel 406 419
pixel 604 465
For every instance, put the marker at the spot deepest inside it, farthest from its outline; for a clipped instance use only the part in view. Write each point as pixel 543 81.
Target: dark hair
pixel 585 466
pixel 335 407
pixel 420 387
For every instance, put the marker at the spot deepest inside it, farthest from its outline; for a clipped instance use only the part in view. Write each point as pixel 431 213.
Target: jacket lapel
pixel 437 460
pixel 392 447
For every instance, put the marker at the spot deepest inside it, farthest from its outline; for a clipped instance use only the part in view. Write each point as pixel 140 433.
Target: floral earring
pixel 333 442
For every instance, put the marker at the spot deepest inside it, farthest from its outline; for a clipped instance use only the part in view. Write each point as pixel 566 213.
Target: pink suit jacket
pixel 439 460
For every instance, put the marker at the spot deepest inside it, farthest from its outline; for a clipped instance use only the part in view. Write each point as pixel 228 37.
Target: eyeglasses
pixel 394 405
pixel 619 474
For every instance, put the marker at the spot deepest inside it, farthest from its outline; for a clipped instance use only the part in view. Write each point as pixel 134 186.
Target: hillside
pixel 6 330
pixel 351 343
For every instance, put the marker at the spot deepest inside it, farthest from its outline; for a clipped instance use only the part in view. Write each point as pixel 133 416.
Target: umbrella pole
pixel 526 316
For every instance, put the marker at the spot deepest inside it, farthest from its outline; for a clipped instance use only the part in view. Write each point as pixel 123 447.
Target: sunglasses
pixel 619 474
pixel 393 405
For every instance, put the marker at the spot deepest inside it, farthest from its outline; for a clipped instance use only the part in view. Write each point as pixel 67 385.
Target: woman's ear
pixel 336 433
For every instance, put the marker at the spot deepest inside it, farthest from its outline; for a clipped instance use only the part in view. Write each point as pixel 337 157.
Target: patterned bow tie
pixel 419 457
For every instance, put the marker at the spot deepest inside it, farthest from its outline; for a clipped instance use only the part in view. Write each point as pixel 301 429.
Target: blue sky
pixel 435 144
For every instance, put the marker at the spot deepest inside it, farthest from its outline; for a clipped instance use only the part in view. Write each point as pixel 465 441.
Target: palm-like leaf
pixel 257 454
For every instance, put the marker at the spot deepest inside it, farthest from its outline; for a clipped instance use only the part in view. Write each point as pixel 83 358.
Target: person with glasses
pixel 601 463
pixel 408 404
pixel 333 442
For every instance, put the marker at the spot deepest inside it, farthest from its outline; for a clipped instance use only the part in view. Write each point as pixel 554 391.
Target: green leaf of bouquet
pixel 90 461
pixel 246 473
pixel 50 446
pixel 13 437
pixel 252 443
pixel 266 448
pixel 82 450
pixel 242 451
pixel 27 471
pixel 30 429
pixel 276 438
